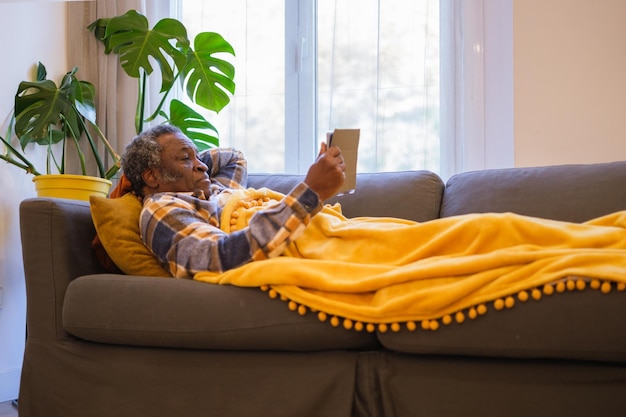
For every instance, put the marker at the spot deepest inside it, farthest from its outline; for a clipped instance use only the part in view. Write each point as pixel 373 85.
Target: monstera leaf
pixel 201 72
pixel 193 125
pixel 45 113
pixel 206 78
pixel 130 37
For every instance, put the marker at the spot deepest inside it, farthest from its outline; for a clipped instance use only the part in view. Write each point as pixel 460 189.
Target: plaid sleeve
pixel 183 231
pixel 273 229
pixel 227 167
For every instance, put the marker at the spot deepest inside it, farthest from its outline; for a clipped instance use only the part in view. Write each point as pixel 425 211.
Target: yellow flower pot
pixel 75 187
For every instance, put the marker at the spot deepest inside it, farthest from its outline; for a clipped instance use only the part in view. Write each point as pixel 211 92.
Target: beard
pixel 170 177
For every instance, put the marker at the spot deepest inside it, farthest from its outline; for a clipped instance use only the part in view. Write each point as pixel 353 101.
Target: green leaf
pixel 45 113
pixel 208 77
pixel 82 96
pixel 128 36
pixel 193 125
pixel 84 100
pixel 42 74
pixel 99 28
pixel 38 107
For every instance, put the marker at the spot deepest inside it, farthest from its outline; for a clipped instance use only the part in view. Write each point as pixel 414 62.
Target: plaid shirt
pixel 183 230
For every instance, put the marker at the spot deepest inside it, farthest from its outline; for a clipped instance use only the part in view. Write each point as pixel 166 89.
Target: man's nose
pixel 201 166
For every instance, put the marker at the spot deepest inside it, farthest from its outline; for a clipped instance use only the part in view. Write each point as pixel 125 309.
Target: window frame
pixel 300 85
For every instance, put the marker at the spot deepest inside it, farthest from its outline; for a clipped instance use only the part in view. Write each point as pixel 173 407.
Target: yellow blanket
pixel 381 270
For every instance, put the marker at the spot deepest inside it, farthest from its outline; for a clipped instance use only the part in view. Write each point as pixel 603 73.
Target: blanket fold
pixel 383 270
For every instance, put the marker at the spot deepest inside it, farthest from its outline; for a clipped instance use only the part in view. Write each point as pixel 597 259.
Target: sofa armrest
pixel 56 239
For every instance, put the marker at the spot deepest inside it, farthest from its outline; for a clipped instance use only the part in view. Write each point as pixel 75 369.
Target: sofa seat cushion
pixel 167 312
pixel 585 325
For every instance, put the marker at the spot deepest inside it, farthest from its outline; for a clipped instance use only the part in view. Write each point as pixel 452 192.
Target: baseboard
pixel 9 384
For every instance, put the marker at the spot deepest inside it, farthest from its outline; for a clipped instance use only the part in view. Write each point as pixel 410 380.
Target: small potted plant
pixel 59 118
pixel 206 78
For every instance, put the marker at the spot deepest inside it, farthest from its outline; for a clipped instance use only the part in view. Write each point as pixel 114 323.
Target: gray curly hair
pixel 144 152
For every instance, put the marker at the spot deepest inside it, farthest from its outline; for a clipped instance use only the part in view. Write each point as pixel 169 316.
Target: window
pixel 378 69
pixel 254 121
pixel 305 67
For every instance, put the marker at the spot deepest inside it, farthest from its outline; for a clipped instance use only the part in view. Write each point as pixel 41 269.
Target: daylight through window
pixel 306 67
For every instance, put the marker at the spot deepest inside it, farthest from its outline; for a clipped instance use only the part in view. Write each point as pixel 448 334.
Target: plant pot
pixel 75 187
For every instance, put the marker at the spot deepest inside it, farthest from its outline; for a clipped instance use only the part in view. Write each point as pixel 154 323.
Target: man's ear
pixel 150 178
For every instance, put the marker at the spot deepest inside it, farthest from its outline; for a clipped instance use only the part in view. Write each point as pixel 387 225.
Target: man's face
pixel 181 170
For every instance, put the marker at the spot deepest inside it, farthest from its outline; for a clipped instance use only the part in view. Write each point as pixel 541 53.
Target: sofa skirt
pixel 73 378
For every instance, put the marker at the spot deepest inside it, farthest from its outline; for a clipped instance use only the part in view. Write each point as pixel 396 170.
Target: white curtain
pixel 464 136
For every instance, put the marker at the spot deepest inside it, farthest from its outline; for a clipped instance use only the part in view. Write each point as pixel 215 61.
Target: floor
pixel 7 409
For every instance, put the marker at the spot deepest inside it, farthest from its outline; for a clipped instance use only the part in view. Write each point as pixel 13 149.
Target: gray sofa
pixel 101 344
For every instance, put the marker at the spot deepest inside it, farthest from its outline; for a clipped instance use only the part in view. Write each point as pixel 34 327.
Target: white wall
pixel 498 84
pixel 29 33
pixel 570 81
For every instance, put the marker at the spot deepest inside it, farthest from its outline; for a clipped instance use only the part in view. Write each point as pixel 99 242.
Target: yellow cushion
pixel 117 224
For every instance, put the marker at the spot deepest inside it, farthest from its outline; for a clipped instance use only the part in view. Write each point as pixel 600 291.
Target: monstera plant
pixel 58 118
pixel 206 78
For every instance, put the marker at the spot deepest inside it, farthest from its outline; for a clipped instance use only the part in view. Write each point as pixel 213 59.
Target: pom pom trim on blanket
pixel 568 284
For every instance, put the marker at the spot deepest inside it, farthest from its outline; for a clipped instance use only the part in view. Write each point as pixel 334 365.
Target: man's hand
pixel 327 174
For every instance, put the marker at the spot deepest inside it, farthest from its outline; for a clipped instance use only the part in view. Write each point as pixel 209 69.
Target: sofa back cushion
pixel 564 192
pixel 413 195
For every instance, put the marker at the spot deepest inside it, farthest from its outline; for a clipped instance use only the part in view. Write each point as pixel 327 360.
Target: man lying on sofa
pixel 164 168
pixel 201 222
